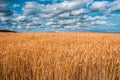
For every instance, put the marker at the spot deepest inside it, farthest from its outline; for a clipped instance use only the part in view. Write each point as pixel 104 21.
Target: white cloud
pixel 20 18
pixel 64 15
pixel 60 15
pixel 66 22
pixel 99 5
pixel 96 18
pixel 4 19
pixel 32 8
pixel 115 6
pixel 16 5
pixel 49 0
pixel 68 14
pixel 79 12
pixel 57 11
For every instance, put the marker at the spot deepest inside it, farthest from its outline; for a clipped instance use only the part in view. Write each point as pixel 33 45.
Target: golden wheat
pixel 59 56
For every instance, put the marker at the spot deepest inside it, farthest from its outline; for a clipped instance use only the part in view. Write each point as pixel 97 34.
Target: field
pixel 59 56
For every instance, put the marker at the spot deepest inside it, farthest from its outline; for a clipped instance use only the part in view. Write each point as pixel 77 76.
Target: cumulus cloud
pixel 68 14
pixel 115 6
pixel 79 12
pixel 58 14
pixel 100 6
pixel 32 8
pixel 64 15
pixel 16 5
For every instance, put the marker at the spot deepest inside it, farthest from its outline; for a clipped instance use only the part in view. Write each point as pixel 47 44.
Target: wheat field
pixel 59 56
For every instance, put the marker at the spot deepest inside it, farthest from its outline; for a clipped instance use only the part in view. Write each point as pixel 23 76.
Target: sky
pixel 60 15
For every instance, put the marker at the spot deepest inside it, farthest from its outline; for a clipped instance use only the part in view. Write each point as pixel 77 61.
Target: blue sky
pixel 60 15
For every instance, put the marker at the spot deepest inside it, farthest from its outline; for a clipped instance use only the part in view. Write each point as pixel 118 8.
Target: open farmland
pixel 59 56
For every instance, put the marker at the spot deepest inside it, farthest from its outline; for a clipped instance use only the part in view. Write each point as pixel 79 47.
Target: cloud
pixel 5 13
pixel 58 14
pixel 66 15
pixel 20 18
pixel 115 6
pixel 4 9
pixel 100 6
pixel 49 0
pixel 32 8
pixel 4 1
pixel 16 5
pixel 70 13
pixel 79 12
